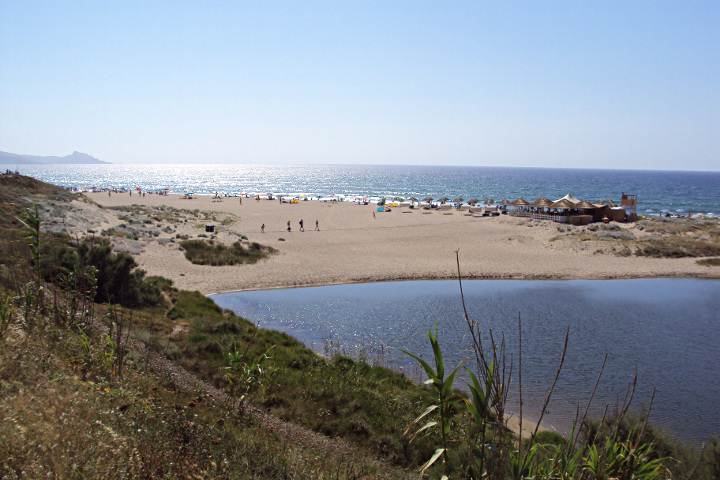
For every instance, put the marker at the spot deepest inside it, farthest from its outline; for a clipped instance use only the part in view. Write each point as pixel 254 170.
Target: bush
pixel 202 252
pixel 117 280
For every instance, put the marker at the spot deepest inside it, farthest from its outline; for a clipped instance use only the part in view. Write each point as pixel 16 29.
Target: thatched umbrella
pixel 489 201
pixel 505 202
pixel 563 204
pixel 542 202
pixel 473 201
pixel 519 202
pixel 458 199
pixel 585 205
pixel 444 199
pixel 428 199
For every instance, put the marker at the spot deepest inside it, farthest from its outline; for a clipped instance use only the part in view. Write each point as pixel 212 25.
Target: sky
pixel 608 84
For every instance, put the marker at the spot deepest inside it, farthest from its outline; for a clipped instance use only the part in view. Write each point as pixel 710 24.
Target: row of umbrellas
pixel 566 203
pixel 543 202
pixel 472 201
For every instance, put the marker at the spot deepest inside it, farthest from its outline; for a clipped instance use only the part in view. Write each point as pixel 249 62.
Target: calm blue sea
pixel 658 191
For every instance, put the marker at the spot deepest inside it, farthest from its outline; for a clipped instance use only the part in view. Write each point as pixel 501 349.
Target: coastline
pixel 355 246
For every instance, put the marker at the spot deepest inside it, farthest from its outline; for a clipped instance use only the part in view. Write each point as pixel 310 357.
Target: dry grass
pixel 657 238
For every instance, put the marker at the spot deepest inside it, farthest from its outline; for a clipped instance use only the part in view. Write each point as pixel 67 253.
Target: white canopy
pixel 569 198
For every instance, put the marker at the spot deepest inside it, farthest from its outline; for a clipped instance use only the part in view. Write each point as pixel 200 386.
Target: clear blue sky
pixel 614 84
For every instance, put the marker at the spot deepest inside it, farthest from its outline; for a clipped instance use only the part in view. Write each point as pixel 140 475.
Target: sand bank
pixel 353 245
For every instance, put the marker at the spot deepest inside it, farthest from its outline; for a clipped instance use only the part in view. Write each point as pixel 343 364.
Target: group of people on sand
pixel 289 228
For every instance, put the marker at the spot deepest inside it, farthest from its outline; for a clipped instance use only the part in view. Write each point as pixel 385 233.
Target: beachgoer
pixel 317 225
pixel 373 214
pixel 262 228
pixel 302 228
pixel 288 225
pixel 240 200
pixel 108 193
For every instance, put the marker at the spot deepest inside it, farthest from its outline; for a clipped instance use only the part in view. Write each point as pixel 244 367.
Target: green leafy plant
pixel 242 376
pixel 446 398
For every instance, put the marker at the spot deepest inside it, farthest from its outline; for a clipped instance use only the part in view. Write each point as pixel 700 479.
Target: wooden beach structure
pixel 574 211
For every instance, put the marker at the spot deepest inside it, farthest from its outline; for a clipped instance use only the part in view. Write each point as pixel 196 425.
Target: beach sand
pixel 355 246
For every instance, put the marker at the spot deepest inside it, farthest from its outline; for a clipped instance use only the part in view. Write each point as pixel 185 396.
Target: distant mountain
pixel 74 158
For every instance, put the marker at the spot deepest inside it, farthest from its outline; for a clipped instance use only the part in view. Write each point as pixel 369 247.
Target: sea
pixel 658 192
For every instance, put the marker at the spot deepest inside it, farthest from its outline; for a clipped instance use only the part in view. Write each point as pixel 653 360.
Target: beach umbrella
pixel 458 199
pixel 563 204
pixel 489 201
pixel 542 202
pixel 505 202
pixel 584 204
pixel 473 201
pixel 444 199
pixel 519 202
pixel 428 199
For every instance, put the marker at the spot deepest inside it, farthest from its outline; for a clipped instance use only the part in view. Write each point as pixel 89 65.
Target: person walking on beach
pixel 317 225
pixel 373 214
pixel 240 200
pixel 262 228
pixel 288 225
pixel 302 228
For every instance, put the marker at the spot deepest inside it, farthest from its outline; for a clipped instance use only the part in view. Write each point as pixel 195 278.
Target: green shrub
pixel 208 252
pixel 116 278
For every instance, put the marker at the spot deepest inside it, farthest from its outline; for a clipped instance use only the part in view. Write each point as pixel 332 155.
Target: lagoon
pixel 669 329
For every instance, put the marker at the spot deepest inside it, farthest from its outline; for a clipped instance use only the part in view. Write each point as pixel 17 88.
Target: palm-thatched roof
pixel 519 202
pixel 584 204
pixel 563 204
pixel 542 202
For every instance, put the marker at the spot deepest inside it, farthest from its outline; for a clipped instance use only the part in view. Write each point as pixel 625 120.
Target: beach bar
pixel 566 210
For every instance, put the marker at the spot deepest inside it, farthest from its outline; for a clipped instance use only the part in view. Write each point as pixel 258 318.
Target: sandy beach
pixel 353 245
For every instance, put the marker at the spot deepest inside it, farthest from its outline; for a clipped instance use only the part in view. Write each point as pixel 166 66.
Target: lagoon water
pixel 658 191
pixel 669 329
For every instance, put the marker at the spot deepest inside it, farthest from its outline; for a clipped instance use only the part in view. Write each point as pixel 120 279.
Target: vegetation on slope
pixel 110 394
pixel 655 237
